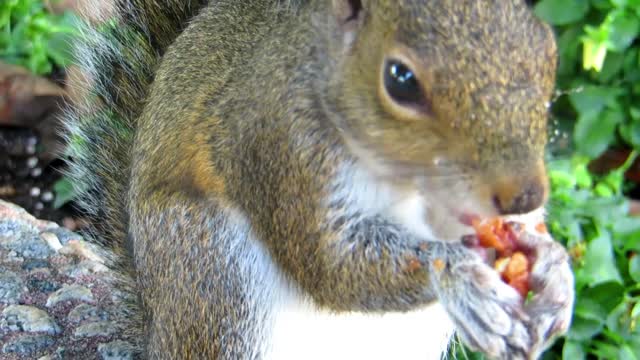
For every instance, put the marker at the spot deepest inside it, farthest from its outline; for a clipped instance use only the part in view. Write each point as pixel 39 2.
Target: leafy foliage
pixel 599 86
pixel 589 214
pixel 600 66
pixel 599 71
pixel 32 37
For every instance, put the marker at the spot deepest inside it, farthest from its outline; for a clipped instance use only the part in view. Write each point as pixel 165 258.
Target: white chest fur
pixel 303 333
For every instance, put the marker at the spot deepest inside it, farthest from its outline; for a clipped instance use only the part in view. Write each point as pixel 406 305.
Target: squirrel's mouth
pixel 532 221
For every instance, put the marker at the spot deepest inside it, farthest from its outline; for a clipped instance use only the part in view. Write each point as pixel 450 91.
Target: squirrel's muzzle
pixel 520 193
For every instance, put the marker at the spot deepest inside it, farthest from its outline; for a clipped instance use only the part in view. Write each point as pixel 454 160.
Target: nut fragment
pixel 517 266
pixel 542 228
pixel 512 264
pixel 494 233
pixel 501 264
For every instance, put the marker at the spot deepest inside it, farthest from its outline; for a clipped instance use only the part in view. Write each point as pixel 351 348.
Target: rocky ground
pixel 56 300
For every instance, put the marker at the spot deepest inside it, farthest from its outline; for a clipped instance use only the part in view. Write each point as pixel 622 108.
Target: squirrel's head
pixel 449 94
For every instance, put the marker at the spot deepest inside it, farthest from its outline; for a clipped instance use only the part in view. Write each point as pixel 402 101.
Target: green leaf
pixel 584 179
pixel 624 29
pixel 626 353
pixel 599 264
pixel 620 322
pixel 593 99
pixel 631 133
pixel 573 350
pixel 561 12
pixel 613 65
pixel 605 350
pixel 60 49
pixel 594 131
pixel 613 336
pixel 562 179
pixel 635 312
pixel 595 303
pixel 34 38
pixel 569 49
pixel 64 192
pixel 632 243
pixel 584 329
pixel 602 4
pixel 634 267
pixel 626 231
pixel 619 3
pixel 594 54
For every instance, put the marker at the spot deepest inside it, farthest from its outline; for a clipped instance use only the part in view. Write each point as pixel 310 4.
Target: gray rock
pixel 35 264
pixel 11 287
pixel 35 247
pixel 65 235
pixel 70 293
pixel 27 319
pixel 11 229
pixel 52 240
pixel 116 350
pixel 26 345
pixel 41 285
pixel 101 328
pixel 84 312
pixel 59 354
pixel 12 257
pixel 12 213
pixel 31 270
pixel 83 268
pixel 24 240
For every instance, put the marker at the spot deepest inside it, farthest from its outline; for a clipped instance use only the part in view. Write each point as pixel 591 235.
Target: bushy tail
pixel 117 55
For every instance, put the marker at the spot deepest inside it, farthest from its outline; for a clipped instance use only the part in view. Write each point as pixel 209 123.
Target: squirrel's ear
pixel 347 11
pixel 348 14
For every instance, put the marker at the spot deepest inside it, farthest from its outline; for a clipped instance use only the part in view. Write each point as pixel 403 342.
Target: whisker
pixel 560 92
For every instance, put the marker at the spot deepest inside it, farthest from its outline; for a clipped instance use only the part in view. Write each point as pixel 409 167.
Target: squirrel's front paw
pixel 491 316
pixel 488 314
pixel 552 284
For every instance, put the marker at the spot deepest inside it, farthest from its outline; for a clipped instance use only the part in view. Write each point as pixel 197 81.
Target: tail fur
pixel 117 55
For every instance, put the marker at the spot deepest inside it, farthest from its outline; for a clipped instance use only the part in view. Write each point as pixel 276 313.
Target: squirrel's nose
pixel 518 197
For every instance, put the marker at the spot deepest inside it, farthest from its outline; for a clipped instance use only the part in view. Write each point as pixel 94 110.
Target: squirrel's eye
pixel 401 83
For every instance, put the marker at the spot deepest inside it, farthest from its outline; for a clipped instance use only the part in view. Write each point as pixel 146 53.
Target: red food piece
pixel 495 233
pixel 513 265
pixel 520 284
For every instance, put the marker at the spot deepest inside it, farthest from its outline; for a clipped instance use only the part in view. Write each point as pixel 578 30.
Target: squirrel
pixel 264 174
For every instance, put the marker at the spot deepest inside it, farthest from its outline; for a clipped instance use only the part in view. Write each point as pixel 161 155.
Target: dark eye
pixel 401 83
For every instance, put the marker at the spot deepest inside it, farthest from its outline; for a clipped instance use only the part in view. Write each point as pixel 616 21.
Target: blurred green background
pixel 595 139
pixel 32 37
